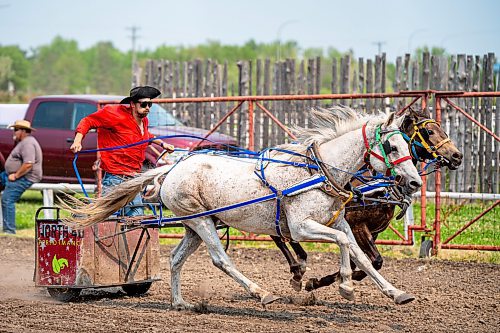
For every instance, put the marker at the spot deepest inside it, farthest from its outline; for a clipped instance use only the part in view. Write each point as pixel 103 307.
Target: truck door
pixel 55 123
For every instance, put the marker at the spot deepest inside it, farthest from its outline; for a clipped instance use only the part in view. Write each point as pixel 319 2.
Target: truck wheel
pixel 64 294
pixel 147 165
pixel 136 288
pixel 425 249
pixel 2 162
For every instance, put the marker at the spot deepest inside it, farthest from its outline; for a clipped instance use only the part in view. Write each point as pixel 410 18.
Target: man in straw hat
pixel 23 167
pixel 120 125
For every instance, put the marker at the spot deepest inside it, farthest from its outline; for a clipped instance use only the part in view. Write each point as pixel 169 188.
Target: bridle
pixel 432 150
pixel 385 148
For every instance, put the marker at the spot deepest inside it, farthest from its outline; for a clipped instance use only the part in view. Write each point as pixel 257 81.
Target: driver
pixel 119 125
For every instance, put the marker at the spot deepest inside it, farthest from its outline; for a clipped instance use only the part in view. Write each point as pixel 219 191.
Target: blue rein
pixel 310 183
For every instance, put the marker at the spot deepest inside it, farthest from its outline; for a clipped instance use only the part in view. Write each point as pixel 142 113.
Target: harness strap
pixel 369 150
pixel 436 147
pixel 384 158
pixel 306 185
pixel 331 187
pixel 337 213
pixel 402 159
pixel 430 149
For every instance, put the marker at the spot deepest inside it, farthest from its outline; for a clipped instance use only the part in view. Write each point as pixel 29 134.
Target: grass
pixel 485 231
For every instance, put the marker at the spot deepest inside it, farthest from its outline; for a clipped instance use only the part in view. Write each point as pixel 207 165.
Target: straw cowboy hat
pixel 140 92
pixel 24 124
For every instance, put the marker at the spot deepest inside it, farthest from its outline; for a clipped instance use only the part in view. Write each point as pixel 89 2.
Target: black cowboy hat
pixel 140 92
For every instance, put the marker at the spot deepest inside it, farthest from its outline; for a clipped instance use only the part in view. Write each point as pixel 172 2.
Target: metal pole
pixel 251 129
pixel 437 217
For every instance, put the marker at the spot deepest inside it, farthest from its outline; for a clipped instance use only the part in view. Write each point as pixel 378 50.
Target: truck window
pixel 81 110
pixel 56 115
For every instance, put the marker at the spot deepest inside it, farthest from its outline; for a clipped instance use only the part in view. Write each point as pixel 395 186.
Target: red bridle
pixel 369 151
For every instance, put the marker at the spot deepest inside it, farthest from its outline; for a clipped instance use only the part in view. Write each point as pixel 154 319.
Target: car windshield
pixel 158 116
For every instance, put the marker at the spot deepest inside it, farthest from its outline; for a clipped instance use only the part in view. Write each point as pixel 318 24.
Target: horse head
pixel 429 141
pixel 388 152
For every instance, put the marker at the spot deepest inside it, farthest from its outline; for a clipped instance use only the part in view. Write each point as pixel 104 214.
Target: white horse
pixel 204 182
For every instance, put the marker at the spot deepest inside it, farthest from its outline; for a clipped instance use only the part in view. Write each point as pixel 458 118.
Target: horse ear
pixel 389 120
pixel 398 121
pixel 394 120
pixel 420 113
pixel 425 113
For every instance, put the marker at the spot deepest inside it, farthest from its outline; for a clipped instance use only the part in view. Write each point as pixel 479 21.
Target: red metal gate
pixel 423 97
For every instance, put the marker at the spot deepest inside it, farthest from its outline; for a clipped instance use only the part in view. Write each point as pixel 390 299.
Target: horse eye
pixel 394 149
pixel 430 132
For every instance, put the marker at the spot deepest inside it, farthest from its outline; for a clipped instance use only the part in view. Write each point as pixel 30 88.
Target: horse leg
pixel 362 261
pixel 377 260
pixel 309 229
pixel 300 269
pixel 367 244
pixel 296 268
pixel 205 229
pixel 301 256
pixel 189 243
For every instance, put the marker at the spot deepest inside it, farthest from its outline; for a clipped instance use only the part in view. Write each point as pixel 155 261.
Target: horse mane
pixel 326 124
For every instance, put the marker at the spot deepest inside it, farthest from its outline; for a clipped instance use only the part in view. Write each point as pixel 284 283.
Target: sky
pixel 396 27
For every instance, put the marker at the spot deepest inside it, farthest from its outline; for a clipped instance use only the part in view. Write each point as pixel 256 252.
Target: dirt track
pixel 451 297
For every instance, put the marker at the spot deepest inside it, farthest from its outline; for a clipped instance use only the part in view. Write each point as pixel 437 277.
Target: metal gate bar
pixel 417 95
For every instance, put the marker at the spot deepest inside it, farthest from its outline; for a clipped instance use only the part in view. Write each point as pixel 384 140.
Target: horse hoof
pixel 404 298
pixel 182 306
pixel 269 298
pixel 310 284
pixel 296 285
pixel 347 293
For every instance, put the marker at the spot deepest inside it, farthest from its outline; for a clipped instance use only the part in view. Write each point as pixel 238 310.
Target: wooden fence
pixel 202 78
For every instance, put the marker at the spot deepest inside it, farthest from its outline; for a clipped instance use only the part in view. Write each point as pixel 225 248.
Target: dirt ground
pixel 450 297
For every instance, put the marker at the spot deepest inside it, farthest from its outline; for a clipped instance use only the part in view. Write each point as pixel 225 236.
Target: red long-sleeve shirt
pixel 117 127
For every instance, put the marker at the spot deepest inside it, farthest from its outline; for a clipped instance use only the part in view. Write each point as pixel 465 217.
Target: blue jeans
pixel 110 180
pixel 11 195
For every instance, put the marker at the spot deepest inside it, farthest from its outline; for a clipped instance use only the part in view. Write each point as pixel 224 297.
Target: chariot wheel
pixel 64 294
pixel 425 249
pixel 136 289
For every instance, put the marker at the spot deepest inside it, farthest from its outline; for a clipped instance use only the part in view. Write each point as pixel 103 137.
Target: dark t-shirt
pixel 26 151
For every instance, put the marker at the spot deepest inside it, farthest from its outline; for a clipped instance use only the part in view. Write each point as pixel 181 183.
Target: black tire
pixel 426 249
pixel 136 289
pixel 147 165
pixel 64 294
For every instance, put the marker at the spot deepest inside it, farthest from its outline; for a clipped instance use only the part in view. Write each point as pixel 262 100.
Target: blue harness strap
pixel 293 190
pixel 263 158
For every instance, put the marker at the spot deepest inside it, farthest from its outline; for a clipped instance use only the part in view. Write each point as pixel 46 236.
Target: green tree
pixel 435 50
pixel 108 69
pixel 14 68
pixel 59 68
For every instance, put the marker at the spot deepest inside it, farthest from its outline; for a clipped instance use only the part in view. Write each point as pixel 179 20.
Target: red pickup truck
pixel 56 117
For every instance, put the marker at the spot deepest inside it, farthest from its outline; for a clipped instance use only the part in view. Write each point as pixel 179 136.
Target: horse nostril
pixel 414 184
pixel 457 156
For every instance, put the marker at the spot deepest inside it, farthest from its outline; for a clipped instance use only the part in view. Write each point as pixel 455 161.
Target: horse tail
pixel 89 212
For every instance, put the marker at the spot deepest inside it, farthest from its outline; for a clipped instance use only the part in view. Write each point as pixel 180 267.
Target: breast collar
pixel 331 187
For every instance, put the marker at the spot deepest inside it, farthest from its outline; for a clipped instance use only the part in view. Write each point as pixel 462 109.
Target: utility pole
pixel 379 45
pixel 133 37
pixel 280 28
